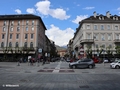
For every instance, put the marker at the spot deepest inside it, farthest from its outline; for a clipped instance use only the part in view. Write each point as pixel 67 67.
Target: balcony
pixel 117 41
pixel 87 41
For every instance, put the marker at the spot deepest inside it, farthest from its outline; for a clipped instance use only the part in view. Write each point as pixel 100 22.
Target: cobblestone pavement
pixel 57 76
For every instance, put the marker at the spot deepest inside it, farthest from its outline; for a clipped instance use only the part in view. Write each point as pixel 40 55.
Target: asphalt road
pixel 57 76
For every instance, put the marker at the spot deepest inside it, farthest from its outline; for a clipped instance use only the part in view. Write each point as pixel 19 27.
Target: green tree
pixel 16 53
pixel 109 51
pixel 117 50
pixel 89 51
pixel 25 51
pixel 100 50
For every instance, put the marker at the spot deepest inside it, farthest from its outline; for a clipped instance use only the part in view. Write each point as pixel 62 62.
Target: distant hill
pixel 64 47
pixel 60 48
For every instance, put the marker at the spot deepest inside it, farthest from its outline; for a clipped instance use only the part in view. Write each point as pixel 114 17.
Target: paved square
pixel 44 77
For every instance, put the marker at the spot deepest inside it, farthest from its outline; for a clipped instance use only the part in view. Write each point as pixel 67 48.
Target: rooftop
pixel 21 16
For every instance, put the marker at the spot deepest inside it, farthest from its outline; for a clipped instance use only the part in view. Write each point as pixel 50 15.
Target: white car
pixel 115 64
pixel 106 61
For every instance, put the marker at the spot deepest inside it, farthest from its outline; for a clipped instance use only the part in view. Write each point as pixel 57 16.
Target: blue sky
pixel 60 17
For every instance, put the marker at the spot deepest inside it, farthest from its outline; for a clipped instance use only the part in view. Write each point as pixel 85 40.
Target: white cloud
pixel 88 8
pixel 119 13
pixel 18 11
pixel 58 13
pixel 43 7
pixel 31 10
pixel 118 9
pixel 60 37
pixel 79 18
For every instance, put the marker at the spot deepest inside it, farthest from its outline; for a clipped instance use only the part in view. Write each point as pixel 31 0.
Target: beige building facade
pixel 62 53
pixel 70 48
pixel 97 31
pixel 25 30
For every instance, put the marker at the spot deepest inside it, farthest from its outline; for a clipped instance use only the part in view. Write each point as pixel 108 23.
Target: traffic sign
pixel 40 50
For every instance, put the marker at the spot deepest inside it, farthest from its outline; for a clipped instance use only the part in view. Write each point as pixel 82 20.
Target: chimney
pixel 108 14
pixel 94 13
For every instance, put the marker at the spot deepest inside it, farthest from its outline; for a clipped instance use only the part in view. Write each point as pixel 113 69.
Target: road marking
pixel 57 68
pixel 55 71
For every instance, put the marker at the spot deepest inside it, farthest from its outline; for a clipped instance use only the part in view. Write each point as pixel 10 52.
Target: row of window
pixel 102 18
pixel 102 27
pixel 102 36
pixel 17 36
pixel 12 22
pixel 18 29
pixel 17 44
pixel 103 45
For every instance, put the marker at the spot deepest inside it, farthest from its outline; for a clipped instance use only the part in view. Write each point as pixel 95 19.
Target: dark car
pixel 55 59
pixel 83 63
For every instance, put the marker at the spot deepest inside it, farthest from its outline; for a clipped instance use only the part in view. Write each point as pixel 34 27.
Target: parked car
pixel 115 64
pixel 107 60
pixel 55 59
pixel 68 60
pixel 71 60
pixel 95 60
pixel 82 63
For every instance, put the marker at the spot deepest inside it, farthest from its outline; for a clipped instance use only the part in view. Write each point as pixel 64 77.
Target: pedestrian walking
pixel 31 61
pixel 29 57
pixel 38 59
pixel 44 60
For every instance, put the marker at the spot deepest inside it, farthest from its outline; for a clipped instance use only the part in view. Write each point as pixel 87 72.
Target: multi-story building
pixel 97 31
pixel 50 48
pixel 25 30
pixel 70 48
pixel 62 53
pixel 53 50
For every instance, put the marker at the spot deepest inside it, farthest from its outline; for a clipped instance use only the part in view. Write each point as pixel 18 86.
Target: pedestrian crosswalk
pixel 60 62
pixel 57 69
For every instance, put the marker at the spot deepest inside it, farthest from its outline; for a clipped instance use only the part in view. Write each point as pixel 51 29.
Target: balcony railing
pixel 117 41
pixel 87 41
